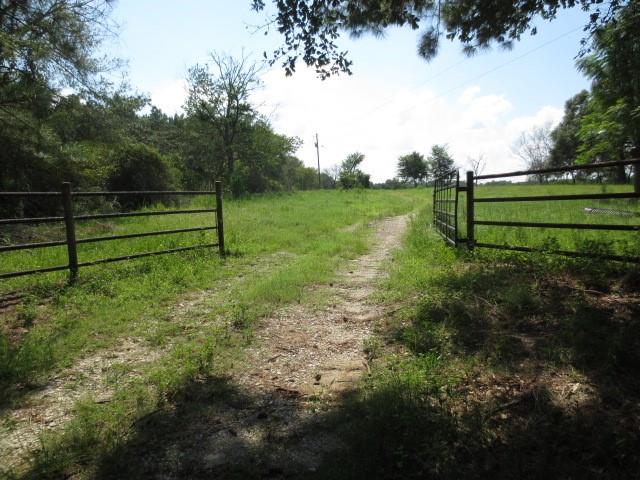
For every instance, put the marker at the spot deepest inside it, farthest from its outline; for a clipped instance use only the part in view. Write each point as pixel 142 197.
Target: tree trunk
pixel 621 174
pixel 635 154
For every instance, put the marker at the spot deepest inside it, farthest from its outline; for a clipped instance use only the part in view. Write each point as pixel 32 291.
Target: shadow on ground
pixel 515 372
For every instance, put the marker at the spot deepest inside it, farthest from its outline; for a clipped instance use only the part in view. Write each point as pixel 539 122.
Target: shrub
pixel 140 167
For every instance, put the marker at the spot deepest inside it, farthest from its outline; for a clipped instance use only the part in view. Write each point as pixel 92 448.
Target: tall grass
pixel 64 321
pixel 570 211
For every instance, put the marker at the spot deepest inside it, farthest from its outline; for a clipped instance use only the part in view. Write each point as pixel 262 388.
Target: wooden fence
pixel 446 192
pixel 66 196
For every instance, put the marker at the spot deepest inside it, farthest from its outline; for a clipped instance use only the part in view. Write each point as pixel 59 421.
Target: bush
pixel 139 167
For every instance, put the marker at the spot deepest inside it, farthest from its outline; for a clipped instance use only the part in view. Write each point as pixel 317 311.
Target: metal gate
pixel 445 209
pixel 445 206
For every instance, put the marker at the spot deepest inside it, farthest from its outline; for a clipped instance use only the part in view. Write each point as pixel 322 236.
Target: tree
pixel 328 179
pixel 48 44
pixel 602 136
pixel 533 148
pixel 614 68
pixel 140 167
pixel 350 175
pixel 44 45
pixel 266 162
pixel 221 100
pixel 439 161
pixel 412 167
pixel 565 136
pixel 333 172
pixel 477 164
pixel 311 27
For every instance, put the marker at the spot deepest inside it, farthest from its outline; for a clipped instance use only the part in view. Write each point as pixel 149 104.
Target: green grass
pixel 468 370
pixel 614 242
pixel 121 299
pixel 498 365
pixel 276 246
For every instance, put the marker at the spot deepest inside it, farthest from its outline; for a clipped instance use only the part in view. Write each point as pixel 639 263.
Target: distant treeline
pixel 117 140
pixel 61 121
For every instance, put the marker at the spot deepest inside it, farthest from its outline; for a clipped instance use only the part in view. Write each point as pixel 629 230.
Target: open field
pixel 191 306
pixel 488 364
pixel 566 211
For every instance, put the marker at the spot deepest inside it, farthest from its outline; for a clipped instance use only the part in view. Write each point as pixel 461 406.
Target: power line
pixel 466 82
pixel 488 72
pixel 421 84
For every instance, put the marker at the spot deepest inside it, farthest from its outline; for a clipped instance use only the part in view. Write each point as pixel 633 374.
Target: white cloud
pixel 355 114
pixel 170 97
pixel 546 115
pixel 468 95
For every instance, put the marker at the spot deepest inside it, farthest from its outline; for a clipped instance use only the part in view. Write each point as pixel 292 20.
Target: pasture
pixel 277 245
pixel 481 363
pixel 569 211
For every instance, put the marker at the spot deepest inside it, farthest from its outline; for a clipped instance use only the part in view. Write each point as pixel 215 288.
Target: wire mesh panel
pixel 445 206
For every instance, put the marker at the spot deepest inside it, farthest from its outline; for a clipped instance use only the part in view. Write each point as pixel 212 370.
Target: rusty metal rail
pixel 445 206
pixel 69 219
pixel 446 225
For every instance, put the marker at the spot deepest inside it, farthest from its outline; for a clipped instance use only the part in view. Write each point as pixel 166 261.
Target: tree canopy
pixel 440 161
pixel 564 137
pixel 48 44
pixel 350 175
pixel 412 167
pixel 604 123
pixel 311 28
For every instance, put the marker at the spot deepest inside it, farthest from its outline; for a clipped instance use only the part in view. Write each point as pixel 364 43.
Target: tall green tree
pixel 220 99
pixel 311 27
pixel 565 136
pixel 45 45
pixel 614 68
pixel 350 175
pixel 412 167
pixel 48 44
pixel 440 161
pixel 602 136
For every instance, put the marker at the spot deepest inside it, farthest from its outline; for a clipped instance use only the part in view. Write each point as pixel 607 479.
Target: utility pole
pixel 318 153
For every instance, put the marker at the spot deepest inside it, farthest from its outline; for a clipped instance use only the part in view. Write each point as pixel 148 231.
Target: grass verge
pixel 277 246
pixel 499 366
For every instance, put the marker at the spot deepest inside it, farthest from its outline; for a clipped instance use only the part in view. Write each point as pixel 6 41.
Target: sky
pixel 393 104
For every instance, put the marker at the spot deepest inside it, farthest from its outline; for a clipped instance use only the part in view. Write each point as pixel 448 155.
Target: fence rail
pixel 69 219
pixel 442 185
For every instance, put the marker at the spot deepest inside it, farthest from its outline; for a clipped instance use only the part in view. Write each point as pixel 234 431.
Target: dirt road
pixel 268 418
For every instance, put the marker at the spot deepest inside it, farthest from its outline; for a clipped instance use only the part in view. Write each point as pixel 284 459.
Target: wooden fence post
pixel 470 213
pixel 219 218
pixel 70 230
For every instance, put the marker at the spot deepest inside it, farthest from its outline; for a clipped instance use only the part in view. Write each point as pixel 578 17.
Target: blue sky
pixel 394 102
